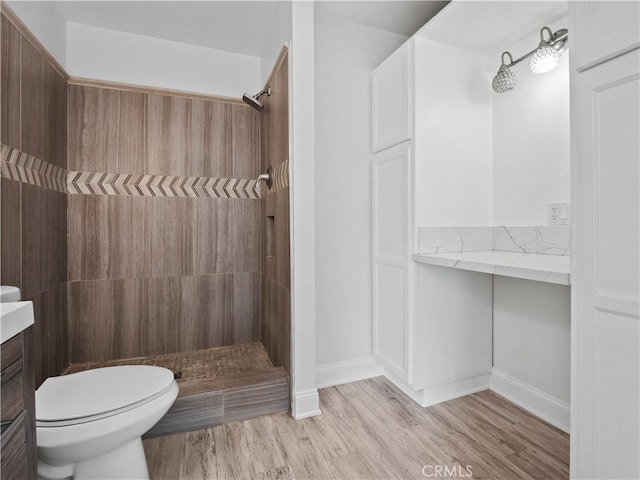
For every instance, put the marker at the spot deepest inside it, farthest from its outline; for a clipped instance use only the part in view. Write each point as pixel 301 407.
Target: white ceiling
pixel 488 27
pixel 235 26
pixel 402 17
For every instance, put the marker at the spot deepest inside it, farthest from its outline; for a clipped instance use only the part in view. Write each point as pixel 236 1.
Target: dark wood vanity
pixel 17 410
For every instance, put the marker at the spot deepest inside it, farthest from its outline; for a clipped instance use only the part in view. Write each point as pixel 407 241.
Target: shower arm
pixel 563 36
pixel 266 177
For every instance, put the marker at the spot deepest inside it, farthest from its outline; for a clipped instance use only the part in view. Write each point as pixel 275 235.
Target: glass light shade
pixel 505 80
pixel 545 59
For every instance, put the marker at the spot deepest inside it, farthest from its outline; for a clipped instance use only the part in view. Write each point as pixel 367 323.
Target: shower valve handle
pixel 266 177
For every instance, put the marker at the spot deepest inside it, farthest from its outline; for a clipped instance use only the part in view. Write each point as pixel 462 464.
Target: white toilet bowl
pixel 90 424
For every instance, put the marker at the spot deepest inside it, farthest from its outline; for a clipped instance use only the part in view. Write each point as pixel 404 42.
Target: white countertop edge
pixel 549 268
pixel 15 317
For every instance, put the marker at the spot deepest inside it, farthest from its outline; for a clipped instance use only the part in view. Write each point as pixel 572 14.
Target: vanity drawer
pixel 13 442
pixel 14 462
pixel 17 466
pixel 10 351
pixel 12 392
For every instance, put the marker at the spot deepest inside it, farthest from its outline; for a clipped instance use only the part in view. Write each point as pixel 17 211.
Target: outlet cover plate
pixel 559 213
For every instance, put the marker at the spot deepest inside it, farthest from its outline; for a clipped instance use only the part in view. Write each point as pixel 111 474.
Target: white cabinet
pixel 605 30
pixel 391 264
pixel 392 100
pixel 409 338
pixel 605 150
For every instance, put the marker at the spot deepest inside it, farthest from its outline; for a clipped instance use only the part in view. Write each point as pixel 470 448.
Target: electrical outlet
pixel 559 213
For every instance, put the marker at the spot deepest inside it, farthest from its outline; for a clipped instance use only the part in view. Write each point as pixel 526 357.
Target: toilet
pixel 90 424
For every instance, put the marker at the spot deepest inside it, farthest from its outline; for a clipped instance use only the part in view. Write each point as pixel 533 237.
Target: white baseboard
pixel 449 391
pixel 345 372
pixel 305 404
pixel 550 409
pixel 442 393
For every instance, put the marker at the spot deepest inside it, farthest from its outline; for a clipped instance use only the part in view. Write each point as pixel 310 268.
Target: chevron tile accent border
pixel 92 183
pixel 280 177
pixel 25 168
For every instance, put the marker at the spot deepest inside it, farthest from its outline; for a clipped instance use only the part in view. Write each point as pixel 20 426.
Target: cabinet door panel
pixel 606 29
pixel 605 151
pixel 391 204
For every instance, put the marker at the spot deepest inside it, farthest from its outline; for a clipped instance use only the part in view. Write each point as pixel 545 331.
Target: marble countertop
pixel 529 266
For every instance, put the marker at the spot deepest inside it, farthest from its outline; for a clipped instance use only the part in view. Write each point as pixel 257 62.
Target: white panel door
pixel 391 211
pixel 605 151
pixel 392 99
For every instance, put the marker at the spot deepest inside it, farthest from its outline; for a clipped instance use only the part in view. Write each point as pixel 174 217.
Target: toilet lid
pixel 97 393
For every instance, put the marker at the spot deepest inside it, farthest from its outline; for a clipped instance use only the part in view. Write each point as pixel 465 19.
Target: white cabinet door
pixel 391 110
pixel 605 156
pixel 391 205
pixel 606 30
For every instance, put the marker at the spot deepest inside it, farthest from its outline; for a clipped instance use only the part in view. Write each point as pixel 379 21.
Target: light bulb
pixel 545 59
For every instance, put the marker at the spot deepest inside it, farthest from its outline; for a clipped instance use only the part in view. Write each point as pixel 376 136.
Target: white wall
pixel 46 23
pixel 110 55
pixel 278 33
pixel 453 172
pixel 532 346
pixel 531 139
pixel 345 55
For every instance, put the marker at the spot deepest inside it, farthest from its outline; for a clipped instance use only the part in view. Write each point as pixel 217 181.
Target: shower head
pixel 254 100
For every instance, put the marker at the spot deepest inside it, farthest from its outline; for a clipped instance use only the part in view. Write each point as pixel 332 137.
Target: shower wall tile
pixel 247 304
pixel 207 312
pixel 111 319
pixel 282 106
pixel 43 108
pixel 213 223
pixel 33 217
pixel 104 237
pixel 132 131
pixel 10 84
pixel 275 244
pixel 93 129
pixel 211 139
pixel 11 239
pixel 282 238
pixel 113 237
pixel 245 142
pixel 44 239
pixel 50 332
pixel 168 136
pixel 247 235
pixel 169 223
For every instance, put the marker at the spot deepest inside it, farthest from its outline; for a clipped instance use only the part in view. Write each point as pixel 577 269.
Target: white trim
pixel 550 409
pixel 302 192
pixel 441 393
pixel 457 389
pixel 305 404
pixel 337 373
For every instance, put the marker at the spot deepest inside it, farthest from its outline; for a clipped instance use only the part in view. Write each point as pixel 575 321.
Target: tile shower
pixel 147 243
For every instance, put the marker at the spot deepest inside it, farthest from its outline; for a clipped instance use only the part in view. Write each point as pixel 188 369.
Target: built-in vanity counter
pixel 528 266
pixel 530 253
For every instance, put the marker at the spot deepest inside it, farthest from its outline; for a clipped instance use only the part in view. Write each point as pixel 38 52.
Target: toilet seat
pixel 99 393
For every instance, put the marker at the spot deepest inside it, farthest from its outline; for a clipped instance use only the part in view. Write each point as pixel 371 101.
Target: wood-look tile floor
pixel 368 430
